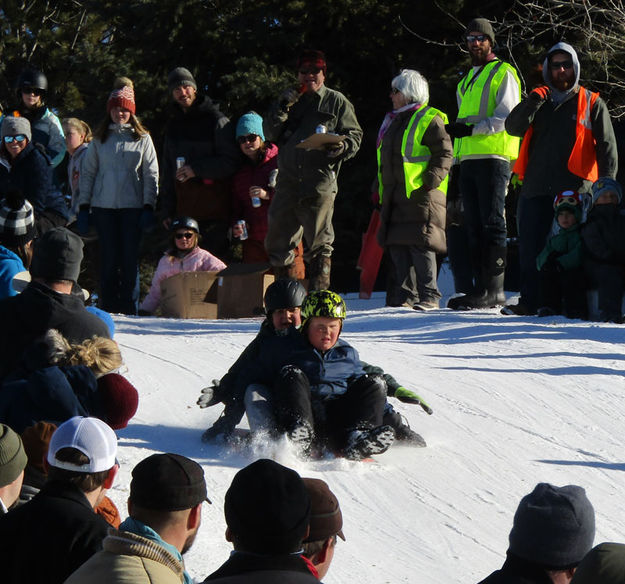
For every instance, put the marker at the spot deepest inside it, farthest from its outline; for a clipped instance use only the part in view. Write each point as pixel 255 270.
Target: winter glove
pixel 288 98
pixel 220 431
pixel 147 220
pixel 552 264
pixel 540 94
pixel 82 221
pixel 209 395
pixel 458 129
pixel 410 397
pixel 335 150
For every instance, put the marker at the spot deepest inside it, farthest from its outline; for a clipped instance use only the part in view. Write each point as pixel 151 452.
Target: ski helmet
pixel 284 293
pixel 184 223
pixel 32 79
pixel 323 303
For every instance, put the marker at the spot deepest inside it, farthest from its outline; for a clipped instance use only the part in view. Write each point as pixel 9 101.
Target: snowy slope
pixel 516 401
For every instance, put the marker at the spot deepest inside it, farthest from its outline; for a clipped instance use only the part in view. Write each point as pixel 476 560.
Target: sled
pixel 370 256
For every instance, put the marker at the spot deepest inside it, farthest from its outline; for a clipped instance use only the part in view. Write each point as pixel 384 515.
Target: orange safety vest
pixel 583 159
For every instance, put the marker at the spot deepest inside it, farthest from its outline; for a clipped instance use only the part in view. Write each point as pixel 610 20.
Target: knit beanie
pixel 250 123
pixel 553 527
pixel 603 185
pixel 568 201
pixel 268 505
pixel 17 221
pixel 13 126
pixel 12 456
pixel 119 400
pixel 482 26
pixel 180 76
pixel 314 58
pixel 57 255
pixel 36 441
pixel 124 98
pixel 604 564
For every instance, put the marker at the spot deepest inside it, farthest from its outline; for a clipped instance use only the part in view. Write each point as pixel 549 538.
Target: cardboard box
pixel 236 292
pixel 241 290
pixel 190 295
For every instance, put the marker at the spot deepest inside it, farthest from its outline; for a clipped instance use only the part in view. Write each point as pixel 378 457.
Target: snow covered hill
pixel 516 401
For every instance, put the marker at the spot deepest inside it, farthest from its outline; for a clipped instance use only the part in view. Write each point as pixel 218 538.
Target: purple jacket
pixel 198 260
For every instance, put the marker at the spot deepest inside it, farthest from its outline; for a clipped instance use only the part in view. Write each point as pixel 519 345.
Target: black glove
pixel 210 395
pixel 552 264
pixel 458 129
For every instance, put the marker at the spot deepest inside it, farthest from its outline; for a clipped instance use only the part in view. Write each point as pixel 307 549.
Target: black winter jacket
pixel 49 537
pixel 30 314
pixel 518 571
pixel 256 569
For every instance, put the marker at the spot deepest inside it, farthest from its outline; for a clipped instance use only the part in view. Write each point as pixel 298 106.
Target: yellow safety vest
pixel 478 91
pixel 415 155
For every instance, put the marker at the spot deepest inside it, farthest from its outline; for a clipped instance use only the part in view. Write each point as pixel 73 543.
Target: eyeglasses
pixel 18 138
pixel 395 91
pixel 186 235
pixel 32 90
pixel 310 71
pixel 480 38
pixel 248 138
pixel 555 65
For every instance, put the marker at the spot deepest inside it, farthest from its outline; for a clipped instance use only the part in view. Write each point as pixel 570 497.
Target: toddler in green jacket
pixel 562 282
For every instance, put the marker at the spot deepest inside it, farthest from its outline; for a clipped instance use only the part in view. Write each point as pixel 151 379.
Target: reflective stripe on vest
pixel 478 101
pixel 583 159
pixel 415 155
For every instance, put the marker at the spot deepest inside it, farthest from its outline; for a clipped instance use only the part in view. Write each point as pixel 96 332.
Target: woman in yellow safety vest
pixel 414 157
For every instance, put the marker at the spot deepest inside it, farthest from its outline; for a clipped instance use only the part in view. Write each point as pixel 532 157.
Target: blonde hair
pixel 80 126
pixel 100 354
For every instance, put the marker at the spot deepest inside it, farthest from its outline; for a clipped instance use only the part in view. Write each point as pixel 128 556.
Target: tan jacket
pixel 127 558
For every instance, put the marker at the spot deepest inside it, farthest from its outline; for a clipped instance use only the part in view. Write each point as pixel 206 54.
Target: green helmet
pixel 323 303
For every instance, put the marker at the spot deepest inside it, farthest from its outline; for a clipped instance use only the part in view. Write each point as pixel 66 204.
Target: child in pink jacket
pixel 183 256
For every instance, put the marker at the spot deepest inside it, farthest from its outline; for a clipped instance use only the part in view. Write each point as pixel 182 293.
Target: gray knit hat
pixel 180 76
pixel 12 456
pixel 14 126
pixel 553 527
pixel 57 255
pixel 17 222
pixel 481 25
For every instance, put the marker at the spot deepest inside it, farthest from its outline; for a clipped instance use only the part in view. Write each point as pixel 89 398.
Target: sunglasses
pixel 480 38
pixel 32 90
pixel 18 138
pixel 186 235
pixel 555 65
pixel 248 138
pixel 310 71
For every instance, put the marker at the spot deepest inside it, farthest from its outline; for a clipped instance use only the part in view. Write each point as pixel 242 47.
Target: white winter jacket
pixel 121 173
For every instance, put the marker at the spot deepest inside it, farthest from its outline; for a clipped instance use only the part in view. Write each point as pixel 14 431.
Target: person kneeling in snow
pixel 313 383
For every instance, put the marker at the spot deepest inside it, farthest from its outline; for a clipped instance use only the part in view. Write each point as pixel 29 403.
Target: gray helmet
pixel 184 223
pixel 284 293
pixel 32 79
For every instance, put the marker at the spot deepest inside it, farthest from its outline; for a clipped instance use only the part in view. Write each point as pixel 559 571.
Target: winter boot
pixel 319 277
pixel 301 436
pixel 289 271
pixel 490 293
pixel 364 443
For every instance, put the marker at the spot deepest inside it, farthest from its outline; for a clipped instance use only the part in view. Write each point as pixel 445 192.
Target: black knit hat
pixel 180 76
pixel 483 26
pixel 167 482
pixel 553 527
pixel 268 504
pixel 17 221
pixel 57 255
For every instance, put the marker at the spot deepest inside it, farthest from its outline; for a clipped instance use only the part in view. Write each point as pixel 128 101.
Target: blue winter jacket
pixel 10 264
pixel 51 394
pixel 329 373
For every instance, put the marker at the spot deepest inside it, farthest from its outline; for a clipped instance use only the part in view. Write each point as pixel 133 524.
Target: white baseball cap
pixel 93 437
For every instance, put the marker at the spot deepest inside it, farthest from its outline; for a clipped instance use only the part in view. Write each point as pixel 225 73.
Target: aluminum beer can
pixel 243 235
pixel 321 129
pixel 256 202
pixel 180 162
